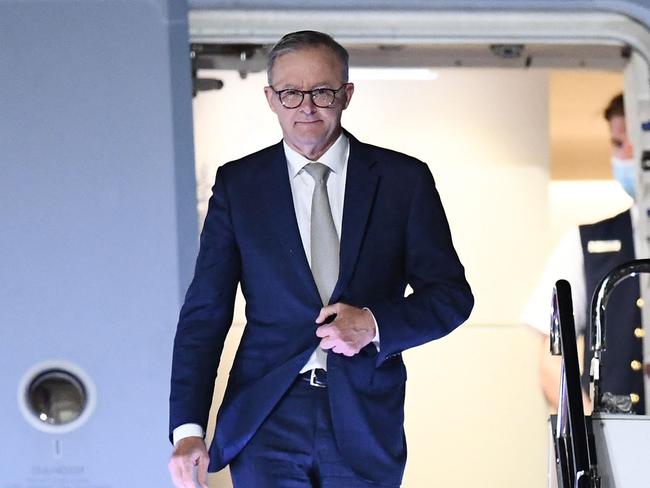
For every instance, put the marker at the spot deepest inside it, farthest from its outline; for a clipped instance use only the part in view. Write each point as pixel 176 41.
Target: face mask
pixel 624 171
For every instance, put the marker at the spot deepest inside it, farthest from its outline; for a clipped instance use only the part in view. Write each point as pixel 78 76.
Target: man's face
pixel 621 147
pixel 309 129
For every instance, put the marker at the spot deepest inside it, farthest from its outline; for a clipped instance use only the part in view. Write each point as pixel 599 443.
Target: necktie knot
pixel 318 171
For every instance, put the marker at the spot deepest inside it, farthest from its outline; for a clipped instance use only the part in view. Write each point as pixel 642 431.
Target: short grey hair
pixel 296 41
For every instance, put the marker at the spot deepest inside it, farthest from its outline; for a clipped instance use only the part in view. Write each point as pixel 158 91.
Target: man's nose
pixel 307 106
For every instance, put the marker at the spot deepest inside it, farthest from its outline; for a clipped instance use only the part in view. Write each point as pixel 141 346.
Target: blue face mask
pixel 624 171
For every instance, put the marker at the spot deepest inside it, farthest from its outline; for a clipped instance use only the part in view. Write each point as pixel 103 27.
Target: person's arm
pixel 550 368
pixel 203 324
pixel 549 373
pixel 441 298
pixel 565 262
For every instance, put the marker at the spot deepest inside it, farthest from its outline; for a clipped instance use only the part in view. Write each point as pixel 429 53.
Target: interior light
pixel 406 74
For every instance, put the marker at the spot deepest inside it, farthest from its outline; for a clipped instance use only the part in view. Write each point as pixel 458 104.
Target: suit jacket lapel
pixel 360 188
pixel 276 205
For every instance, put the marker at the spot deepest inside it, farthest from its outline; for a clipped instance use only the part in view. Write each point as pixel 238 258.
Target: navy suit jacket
pixel 394 233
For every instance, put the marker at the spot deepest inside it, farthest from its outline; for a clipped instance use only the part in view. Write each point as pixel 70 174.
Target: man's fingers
pixel 343 329
pixel 188 454
pixel 338 346
pixel 188 471
pixel 181 471
pixel 344 349
pixel 202 470
pixel 324 331
pixel 327 311
pixel 328 343
pixel 175 472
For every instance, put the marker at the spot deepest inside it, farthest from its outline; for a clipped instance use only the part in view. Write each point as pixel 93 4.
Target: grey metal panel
pixel 460 5
pixel 635 9
pixel 622 447
pixel 98 227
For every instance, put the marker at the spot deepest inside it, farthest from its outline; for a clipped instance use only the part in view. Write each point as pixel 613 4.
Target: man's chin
pixel 309 142
pixel 309 149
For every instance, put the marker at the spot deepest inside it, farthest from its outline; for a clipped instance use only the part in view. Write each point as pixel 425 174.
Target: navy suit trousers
pixel 295 447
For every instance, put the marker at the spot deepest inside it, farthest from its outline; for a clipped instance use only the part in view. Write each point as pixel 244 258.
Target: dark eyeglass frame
pixel 311 93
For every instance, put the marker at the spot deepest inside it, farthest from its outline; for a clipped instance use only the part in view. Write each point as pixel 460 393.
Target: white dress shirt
pixel 302 189
pixel 566 262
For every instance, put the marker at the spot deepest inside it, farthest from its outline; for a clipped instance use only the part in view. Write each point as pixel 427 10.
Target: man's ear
pixel 349 90
pixel 270 94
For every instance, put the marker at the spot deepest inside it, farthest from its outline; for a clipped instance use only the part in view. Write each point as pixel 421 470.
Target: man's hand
pixel 351 330
pixel 189 452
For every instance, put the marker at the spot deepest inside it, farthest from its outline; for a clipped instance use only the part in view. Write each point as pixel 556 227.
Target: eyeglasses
pixel 321 97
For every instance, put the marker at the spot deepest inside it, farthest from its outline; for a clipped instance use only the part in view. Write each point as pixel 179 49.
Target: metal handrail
pixel 598 323
pixel 575 462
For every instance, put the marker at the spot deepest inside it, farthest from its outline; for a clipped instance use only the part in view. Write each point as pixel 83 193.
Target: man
pixel 315 394
pixel 583 257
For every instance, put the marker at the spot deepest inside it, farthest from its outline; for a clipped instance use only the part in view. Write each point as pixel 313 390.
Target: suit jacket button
pixel 636 365
pixel 635 398
pixel 640 303
pixel 639 333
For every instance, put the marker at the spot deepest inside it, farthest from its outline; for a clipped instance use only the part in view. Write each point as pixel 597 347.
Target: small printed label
pixel 56 476
pixel 597 247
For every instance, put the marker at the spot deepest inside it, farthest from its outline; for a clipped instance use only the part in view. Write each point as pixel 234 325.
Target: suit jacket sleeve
pixel 206 314
pixel 441 298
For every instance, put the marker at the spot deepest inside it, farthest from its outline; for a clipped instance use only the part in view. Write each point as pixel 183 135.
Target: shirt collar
pixel 334 158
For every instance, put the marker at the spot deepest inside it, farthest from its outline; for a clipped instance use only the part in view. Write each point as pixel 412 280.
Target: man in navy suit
pixel 324 233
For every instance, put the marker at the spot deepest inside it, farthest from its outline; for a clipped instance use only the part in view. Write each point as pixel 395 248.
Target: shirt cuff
pixel 375 339
pixel 187 430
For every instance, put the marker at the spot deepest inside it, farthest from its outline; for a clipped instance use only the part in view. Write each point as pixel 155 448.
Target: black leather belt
pixel 315 377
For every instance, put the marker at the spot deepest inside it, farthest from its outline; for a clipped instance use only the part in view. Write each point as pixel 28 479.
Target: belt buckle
pixel 313 381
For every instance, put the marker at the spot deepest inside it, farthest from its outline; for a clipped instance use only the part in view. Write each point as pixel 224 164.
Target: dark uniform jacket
pixel 622 363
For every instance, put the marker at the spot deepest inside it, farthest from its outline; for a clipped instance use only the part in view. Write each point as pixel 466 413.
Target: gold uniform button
pixel 639 333
pixel 640 303
pixel 636 365
pixel 635 398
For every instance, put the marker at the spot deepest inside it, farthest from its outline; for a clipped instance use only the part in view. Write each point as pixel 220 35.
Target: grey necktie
pixel 324 239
